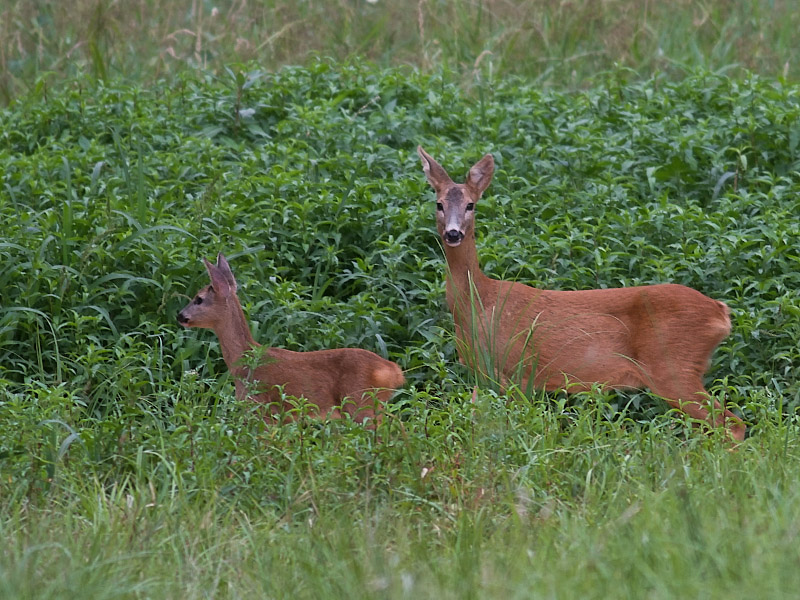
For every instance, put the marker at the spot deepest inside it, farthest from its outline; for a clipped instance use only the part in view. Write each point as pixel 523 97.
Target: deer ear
pixel 437 176
pixel 480 175
pixel 218 280
pixel 225 269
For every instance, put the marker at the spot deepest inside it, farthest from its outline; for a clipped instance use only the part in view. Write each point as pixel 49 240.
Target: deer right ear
pixel 437 176
pixel 218 279
pixel 225 269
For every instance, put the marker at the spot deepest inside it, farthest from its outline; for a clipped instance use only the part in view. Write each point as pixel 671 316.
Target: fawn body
pixel 659 337
pixel 349 379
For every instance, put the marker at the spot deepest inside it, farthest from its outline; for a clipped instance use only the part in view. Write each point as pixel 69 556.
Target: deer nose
pixel 182 319
pixel 453 237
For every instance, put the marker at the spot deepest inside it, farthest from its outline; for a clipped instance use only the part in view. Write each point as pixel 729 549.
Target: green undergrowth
pixel 124 457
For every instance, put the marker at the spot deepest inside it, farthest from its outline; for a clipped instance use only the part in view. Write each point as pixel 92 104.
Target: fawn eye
pixel 198 300
pixel 471 206
pixel 439 207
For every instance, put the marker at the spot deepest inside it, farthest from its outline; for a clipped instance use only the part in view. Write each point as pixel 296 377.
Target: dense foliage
pixel 308 180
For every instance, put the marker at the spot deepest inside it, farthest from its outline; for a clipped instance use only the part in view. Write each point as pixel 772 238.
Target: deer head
pixel 211 304
pixel 455 202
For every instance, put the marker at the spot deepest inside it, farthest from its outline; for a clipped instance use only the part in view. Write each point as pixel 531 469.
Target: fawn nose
pixel 182 319
pixel 453 237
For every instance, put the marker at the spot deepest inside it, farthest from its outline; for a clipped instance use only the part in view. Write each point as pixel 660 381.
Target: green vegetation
pixel 635 143
pixel 555 42
pixel 128 468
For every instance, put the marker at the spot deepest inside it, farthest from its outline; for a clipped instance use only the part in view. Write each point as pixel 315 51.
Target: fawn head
pixel 209 306
pixel 455 202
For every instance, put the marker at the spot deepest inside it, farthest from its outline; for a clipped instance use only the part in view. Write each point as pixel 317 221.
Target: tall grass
pixel 460 500
pixel 553 42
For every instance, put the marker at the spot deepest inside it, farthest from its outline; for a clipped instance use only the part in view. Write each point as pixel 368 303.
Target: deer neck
pixel 464 277
pixel 235 338
pixel 463 266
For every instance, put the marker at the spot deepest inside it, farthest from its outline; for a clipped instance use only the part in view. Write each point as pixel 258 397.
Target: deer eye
pixel 471 206
pixel 439 207
pixel 198 300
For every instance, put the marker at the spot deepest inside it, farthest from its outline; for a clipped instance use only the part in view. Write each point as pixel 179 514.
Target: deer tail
pixel 387 376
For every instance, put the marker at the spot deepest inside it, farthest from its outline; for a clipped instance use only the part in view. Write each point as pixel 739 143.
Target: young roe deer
pixel 347 379
pixel 656 336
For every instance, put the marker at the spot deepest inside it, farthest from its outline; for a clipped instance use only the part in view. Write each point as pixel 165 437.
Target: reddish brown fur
pixel 657 336
pixel 345 378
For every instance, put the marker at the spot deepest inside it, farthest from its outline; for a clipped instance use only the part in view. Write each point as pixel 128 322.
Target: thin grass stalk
pixel 141 197
pixel 66 215
pixel 123 160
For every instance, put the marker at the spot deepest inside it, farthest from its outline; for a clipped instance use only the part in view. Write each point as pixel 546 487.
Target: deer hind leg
pixel 384 380
pixel 373 403
pixel 366 409
pixel 692 398
pixel 367 406
pixel 333 413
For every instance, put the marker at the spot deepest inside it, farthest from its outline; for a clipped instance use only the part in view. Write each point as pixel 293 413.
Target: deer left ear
pixel 480 175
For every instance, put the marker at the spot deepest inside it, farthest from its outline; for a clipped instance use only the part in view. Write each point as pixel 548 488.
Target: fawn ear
pixel 480 175
pixel 218 280
pixel 225 269
pixel 437 176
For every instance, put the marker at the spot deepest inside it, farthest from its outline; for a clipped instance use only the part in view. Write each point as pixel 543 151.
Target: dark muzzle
pixel 453 237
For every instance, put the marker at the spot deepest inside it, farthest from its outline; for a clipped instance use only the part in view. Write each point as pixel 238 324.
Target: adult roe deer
pixel 659 337
pixel 345 378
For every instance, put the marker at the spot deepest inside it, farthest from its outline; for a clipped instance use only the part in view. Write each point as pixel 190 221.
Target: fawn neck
pixel 234 335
